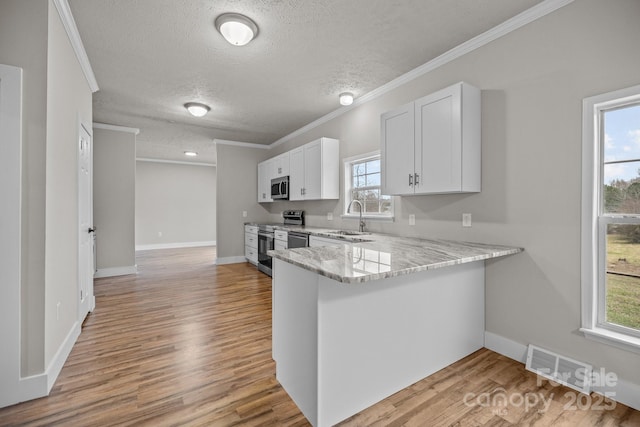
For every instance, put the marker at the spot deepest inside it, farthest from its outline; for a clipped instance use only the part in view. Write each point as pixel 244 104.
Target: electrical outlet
pixel 412 219
pixel 244 214
pixel 329 216
pixel 466 220
pixel 159 233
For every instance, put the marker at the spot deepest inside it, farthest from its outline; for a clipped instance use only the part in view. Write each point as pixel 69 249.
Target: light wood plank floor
pixel 186 342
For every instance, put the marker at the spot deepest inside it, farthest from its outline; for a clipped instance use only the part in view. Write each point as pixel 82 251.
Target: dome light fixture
pixel 197 109
pixel 190 153
pixel 346 98
pixel 236 29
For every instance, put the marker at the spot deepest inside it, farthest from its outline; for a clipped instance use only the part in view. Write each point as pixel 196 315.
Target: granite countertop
pixel 367 257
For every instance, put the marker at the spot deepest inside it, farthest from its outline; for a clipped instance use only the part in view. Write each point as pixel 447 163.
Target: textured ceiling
pixel 152 56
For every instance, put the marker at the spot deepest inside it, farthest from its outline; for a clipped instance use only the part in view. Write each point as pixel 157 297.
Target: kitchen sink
pixel 349 232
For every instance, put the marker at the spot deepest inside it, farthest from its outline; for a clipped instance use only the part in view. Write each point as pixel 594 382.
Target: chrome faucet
pixel 361 228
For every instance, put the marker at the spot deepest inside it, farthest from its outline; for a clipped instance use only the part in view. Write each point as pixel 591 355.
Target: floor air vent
pixel 560 369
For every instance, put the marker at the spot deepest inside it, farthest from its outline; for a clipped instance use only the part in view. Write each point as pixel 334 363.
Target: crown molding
pixel 177 162
pixel 117 128
pixel 62 6
pixel 512 24
pixel 242 144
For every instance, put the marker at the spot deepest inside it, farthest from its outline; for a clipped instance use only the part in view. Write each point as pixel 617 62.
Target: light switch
pixel 412 219
pixel 329 216
pixel 244 214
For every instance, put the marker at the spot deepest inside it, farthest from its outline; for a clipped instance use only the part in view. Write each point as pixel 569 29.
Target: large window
pixel 363 183
pixel 611 218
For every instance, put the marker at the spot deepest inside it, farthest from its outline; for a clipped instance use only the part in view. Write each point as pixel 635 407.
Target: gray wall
pixel 56 100
pixel 28 22
pixel 114 182
pixel 68 104
pixel 237 191
pixel 533 81
pixel 177 200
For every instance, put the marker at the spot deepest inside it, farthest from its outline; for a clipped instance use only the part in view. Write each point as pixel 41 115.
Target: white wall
pixel 176 200
pixel 114 175
pixel 533 81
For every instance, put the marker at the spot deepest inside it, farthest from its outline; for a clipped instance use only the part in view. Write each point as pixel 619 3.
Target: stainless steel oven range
pixel 266 238
pixel 265 243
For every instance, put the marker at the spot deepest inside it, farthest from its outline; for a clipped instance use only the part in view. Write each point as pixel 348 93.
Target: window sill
pixel 368 217
pixel 615 339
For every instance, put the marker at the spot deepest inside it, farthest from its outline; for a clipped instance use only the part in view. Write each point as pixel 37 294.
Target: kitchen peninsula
pixel 355 323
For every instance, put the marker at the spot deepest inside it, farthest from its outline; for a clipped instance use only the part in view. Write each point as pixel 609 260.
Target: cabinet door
pixel 316 242
pixel 313 170
pixel 281 165
pixel 397 150
pixel 439 142
pixel 296 174
pixel 264 181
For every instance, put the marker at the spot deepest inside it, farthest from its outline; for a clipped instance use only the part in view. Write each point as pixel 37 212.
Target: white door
pixel 439 142
pixel 296 174
pixel 86 233
pixel 313 170
pixel 397 150
pixel 262 182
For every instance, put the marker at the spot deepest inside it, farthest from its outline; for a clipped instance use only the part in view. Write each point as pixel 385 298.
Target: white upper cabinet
pixel 314 171
pixel 281 165
pixel 397 148
pixel 296 174
pixel 433 145
pixel 265 173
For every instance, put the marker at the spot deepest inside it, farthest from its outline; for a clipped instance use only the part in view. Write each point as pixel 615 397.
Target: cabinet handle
pixel 301 193
pixel 410 180
pixel 416 179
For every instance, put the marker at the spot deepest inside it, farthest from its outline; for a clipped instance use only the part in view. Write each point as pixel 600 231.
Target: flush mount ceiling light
pixel 346 98
pixel 236 29
pixel 197 109
pixel 190 153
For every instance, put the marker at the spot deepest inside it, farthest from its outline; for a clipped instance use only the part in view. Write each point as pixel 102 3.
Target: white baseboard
pixel 39 385
pixel 61 355
pixel 175 245
pixel 506 347
pixel 115 271
pixel 230 260
pixel 625 392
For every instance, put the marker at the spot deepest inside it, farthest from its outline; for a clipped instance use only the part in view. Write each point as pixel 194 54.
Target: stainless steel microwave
pixel 280 188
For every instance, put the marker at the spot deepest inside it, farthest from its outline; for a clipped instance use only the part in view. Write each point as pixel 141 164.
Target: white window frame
pixel 594 224
pixel 347 162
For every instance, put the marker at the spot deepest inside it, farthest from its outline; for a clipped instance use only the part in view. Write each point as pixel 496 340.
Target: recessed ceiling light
pixel 346 98
pixel 190 153
pixel 236 29
pixel 197 109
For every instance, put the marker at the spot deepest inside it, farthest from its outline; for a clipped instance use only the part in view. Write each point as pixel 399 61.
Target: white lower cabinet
pixel 280 240
pixel 317 241
pixel 251 243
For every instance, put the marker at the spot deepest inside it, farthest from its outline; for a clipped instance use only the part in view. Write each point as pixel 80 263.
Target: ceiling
pixel 150 57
